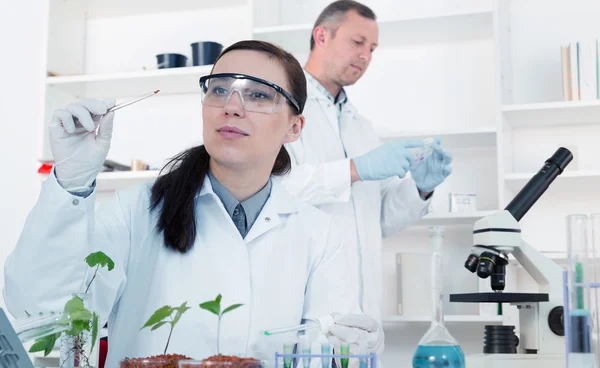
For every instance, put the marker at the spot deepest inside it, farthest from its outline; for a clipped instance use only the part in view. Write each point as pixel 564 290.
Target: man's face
pixel 349 52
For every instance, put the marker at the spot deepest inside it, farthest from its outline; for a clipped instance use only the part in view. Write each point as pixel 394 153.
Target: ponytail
pixel 177 190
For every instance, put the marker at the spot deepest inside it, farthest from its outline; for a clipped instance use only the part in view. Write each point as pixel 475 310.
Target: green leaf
pixel 218 300
pixel 159 324
pixel 84 315
pixel 211 306
pixel 43 343
pixel 94 331
pixel 231 307
pixel 77 327
pixel 99 258
pixel 74 305
pixel 160 314
pixel 180 311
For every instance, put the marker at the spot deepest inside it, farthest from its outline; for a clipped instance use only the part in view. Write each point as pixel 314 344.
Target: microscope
pixel 541 318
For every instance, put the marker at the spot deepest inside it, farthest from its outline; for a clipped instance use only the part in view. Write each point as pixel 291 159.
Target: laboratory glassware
pixel 437 348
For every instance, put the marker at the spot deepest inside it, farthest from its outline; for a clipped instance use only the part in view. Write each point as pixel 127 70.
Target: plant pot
pixel 222 361
pixel 76 351
pixel 171 61
pixel 157 361
pixel 205 53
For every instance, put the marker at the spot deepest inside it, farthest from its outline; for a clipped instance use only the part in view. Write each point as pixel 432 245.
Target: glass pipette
pixel 301 327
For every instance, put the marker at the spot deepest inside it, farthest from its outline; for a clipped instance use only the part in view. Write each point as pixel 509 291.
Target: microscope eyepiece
pixel 471 263
pixel 487 262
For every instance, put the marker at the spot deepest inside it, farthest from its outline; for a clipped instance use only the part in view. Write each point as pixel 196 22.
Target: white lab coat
pixel 366 210
pixel 290 267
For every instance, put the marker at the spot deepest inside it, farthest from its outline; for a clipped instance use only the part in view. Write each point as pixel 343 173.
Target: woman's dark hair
pixel 175 192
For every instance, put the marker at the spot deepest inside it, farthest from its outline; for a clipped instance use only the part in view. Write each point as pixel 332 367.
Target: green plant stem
pixel 90 284
pixel 169 339
pixel 218 335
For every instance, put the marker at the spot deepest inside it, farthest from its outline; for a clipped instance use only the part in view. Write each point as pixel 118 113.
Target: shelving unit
pixel 169 81
pixel 475 318
pixel 568 181
pixel 451 139
pixel 395 32
pixel 115 180
pixel 453 218
pixel 552 114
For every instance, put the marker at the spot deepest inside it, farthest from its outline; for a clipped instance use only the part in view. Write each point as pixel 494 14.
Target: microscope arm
pixel 546 273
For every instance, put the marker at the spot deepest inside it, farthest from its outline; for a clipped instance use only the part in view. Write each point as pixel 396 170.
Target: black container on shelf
pixel 171 61
pixel 206 52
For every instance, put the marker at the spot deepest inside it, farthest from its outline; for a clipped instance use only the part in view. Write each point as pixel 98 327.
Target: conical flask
pixel 437 348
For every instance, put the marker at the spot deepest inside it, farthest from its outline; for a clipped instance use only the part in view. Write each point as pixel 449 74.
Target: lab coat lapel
pixel 280 203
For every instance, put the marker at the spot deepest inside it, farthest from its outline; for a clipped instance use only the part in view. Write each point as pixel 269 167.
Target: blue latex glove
pixel 391 159
pixel 433 170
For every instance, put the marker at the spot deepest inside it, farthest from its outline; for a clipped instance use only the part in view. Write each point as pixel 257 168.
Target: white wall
pixel 22 65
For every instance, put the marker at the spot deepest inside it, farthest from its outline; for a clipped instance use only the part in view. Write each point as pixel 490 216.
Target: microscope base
pixel 515 361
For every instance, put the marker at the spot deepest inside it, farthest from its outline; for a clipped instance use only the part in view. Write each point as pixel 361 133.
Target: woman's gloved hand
pixel 352 328
pixel 386 161
pixel 79 150
pixel 433 170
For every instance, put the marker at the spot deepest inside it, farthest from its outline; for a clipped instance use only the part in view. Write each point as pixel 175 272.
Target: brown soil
pixel 158 361
pixel 232 361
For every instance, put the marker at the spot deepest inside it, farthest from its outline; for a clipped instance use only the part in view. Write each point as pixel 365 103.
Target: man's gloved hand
pixel 79 151
pixel 352 328
pixel 433 170
pixel 390 159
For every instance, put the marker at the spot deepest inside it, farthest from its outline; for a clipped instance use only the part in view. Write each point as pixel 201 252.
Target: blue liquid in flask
pixel 437 348
pixel 438 356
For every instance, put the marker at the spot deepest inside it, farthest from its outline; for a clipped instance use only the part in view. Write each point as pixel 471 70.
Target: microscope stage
pixel 499 298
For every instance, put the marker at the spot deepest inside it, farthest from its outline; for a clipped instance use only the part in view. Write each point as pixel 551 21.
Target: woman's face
pixel 238 138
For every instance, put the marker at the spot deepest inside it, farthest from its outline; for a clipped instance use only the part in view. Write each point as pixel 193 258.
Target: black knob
pixel 556 321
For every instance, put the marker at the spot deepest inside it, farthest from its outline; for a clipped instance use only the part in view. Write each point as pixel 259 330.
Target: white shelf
pixel 568 181
pixel 438 28
pixel 169 81
pixel 453 218
pixel 552 113
pixel 447 318
pixel 451 139
pixel 120 8
pixel 109 181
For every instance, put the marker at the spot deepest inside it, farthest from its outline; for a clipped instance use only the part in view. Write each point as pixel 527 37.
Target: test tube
pixel 344 350
pixel 288 348
pixel 595 244
pixel 306 350
pixel 362 350
pixel 580 351
pixel 325 350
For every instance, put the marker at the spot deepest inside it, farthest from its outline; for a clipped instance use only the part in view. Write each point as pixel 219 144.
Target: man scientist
pixel 339 163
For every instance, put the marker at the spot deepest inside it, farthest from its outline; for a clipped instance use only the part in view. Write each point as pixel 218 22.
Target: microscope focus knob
pixel 556 320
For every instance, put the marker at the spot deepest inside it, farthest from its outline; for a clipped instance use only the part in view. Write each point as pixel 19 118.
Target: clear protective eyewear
pixel 256 95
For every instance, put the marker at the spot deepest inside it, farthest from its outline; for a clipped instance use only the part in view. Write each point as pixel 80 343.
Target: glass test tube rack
pixel 371 358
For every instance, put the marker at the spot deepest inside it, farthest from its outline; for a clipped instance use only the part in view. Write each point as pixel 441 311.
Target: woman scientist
pixel 218 222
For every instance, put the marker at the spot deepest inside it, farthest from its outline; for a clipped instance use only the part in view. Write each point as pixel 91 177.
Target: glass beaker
pixel 80 351
pixel 437 348
pixel 35 327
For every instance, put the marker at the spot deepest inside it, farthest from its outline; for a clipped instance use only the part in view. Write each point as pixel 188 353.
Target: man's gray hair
pixel 335 12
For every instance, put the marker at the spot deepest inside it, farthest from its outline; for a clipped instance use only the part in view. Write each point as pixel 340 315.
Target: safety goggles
pixel 257 95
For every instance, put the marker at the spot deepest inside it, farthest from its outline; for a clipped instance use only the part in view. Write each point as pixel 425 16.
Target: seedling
pixel 159 317
pixel 214 306
pixel 82 319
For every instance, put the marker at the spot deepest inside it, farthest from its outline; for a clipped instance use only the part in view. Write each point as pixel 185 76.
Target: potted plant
pixel 162 316
pixel 214 306
pixel 78 343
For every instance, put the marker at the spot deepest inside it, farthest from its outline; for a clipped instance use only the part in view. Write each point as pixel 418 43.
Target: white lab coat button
pixel 75 202
pixel 267 219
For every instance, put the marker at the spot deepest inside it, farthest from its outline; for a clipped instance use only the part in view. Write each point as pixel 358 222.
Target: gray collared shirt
pixel 251 206
pixel 338 101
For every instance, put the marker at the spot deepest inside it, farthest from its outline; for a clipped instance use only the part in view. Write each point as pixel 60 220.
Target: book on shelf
pixel 580 74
